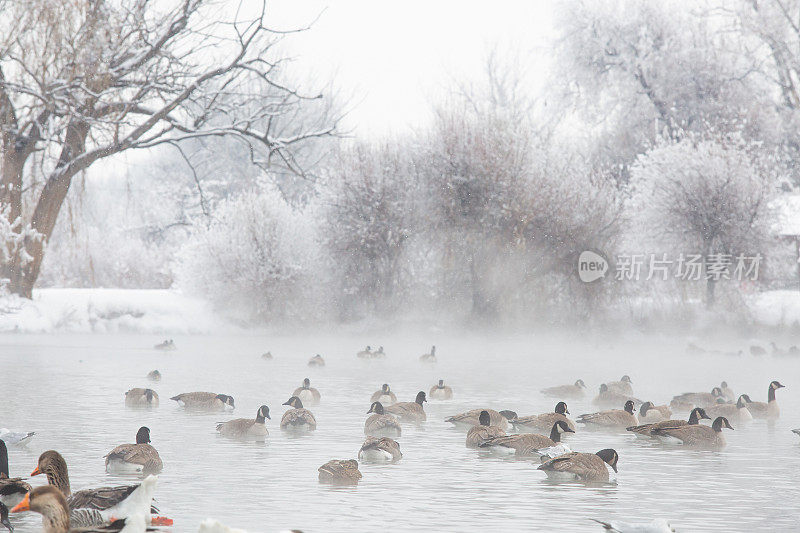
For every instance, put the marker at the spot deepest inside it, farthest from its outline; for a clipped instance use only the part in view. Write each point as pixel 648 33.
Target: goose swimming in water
pixel 768 410
pixel 732 411
pixel 608 398
pixel 57 518
pixel 380 424
pixel 441 391
pixel 544 422
pixel 247 428
pixel 317 360
pixel 649 413
pixel 581 466
pixel 646 430
pixel 483 432
pixel 297 418
pixel 139 458
pixel 429 357
pixel 697 436
pixel 12 489
pixel 530 443
pixel 90 507
pixel 615 418
pixel 154 375
pixel 385 395
pixel 307 394
pixel 204 401
pixel 575 391
pixel 409 411
pixel 340 472
pixel 138 397
pixel 465 421
pixel 623 386
pixel 380 450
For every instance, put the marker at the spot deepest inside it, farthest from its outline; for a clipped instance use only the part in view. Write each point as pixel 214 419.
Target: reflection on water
pixel 70 389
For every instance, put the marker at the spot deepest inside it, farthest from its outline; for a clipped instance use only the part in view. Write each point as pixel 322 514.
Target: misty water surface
pixel 69 389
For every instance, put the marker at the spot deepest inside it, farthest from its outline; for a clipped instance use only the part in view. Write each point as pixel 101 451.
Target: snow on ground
pixel 108 311
pixel 776 308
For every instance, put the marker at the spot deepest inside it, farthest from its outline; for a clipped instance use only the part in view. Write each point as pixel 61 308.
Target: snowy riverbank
pixel 108 311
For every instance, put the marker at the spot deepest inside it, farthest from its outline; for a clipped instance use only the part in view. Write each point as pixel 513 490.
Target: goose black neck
pixel 260 419
pixel 771 394
pixel 3 460
pixel 555 435
pixel 693 418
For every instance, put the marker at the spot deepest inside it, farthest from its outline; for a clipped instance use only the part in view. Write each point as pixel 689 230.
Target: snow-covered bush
pixel 254 261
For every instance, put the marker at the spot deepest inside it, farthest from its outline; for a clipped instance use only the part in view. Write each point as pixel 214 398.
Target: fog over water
pixel 70 390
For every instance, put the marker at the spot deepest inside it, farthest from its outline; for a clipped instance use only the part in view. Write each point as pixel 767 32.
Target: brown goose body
pixel 441 391
pixel 307 394
pixel 623 386
pixel 646 430
pixel 141 457
pixel 340 472
pixel 317 360
pixel 732 411
pixel 581 466
pixel 609 398
pixel 689 400
pixel 385 396
pixel 139 397
pixel 297 418
pixel 409 411
pixel 697 436
pixel 381 449
pixel 470 418
pixel 649 413
pixel 544 423
pixel 768 410
pixel 575 391
pixel 247 428
pixel 204 401
pixel 479 434
pixel 528 443
pixel 379 424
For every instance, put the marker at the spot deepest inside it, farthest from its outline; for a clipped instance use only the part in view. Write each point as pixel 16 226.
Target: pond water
pixel 70 390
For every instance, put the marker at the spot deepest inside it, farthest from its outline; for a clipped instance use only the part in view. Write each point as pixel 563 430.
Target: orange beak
pixel 24 505
pixel 36 471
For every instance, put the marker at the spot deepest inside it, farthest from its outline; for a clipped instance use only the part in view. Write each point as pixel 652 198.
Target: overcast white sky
pixel 395 58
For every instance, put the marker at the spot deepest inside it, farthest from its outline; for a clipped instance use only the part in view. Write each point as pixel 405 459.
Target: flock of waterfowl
pixel 537 436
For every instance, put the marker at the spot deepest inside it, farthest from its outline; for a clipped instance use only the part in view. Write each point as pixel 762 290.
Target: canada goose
pixel 645 430
pixel 768 410
pixel 658 525
pixel 581 466
pixel 380 354
pixel 615 418
pixel 204 401
pixel 732 411
pixel 307 394
pixel 16 438
pixel 608 398
pixel 154 375
pixel 409 411
pixel 623 386
pixel 697 436
pixel 649 413
pixel 429 357
pixel 340 472
pixel 544 422
pixel 566 391
pixel 757 350
pixel 267 356
pixel 471 418
pixel 727 392
pixel 167 345
pixel 317 360
pixel 441 391
pixel 689 400
pixel 96 506
pixel 139 458
pixel 297 418
pixel 56 517
pixel 527 443
pixel 4 517
pixel 12 490
pixel 796 431
pixel 385 395
pixel 365 353
pixel 139 397
pixel 380 424
pixel 379 450
pixel 247 428
pixel 479 434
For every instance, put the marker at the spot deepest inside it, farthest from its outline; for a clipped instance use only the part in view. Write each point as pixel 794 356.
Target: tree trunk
pixel 45 215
